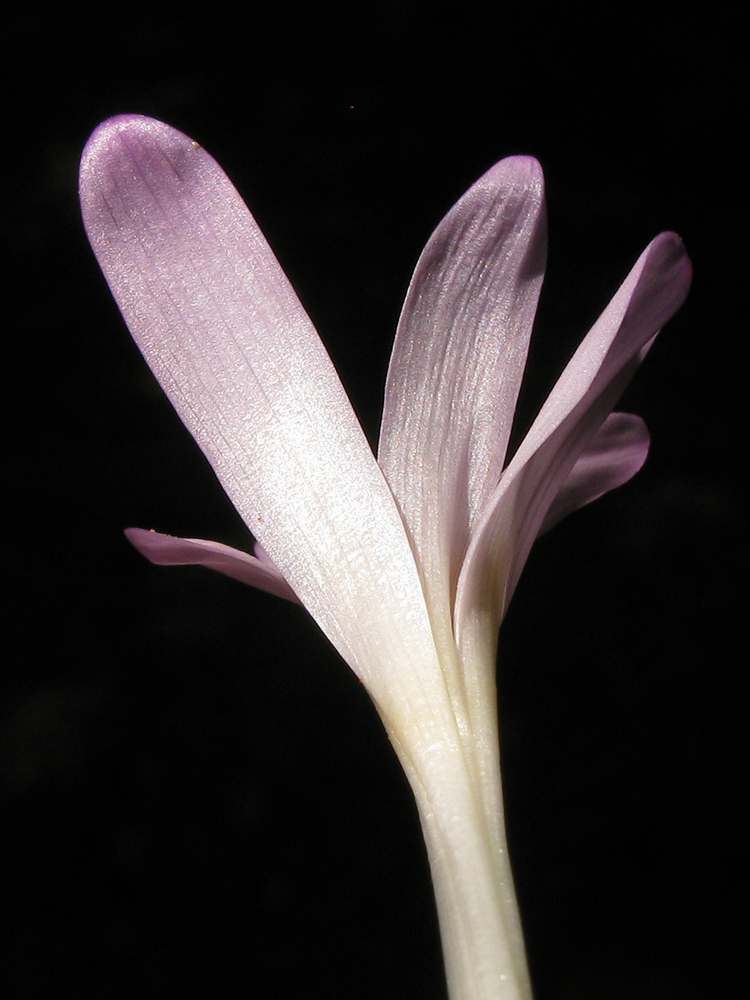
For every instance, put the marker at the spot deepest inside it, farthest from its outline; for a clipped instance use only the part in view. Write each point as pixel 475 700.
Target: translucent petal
pixel 226 336
pixel 166 550
pixel 613 456
pixel 458 362
pixel 583 397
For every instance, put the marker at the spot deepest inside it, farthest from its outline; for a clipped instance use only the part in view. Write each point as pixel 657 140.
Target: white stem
pixel 479 922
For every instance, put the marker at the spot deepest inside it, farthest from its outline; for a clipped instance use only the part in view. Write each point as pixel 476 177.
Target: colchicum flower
pixel 406 562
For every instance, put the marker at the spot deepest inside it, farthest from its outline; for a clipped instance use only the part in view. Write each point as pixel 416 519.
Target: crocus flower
pixel 406 562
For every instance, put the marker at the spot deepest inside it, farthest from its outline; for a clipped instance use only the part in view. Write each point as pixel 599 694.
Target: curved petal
pixel 457 365
pixel 166 550
pixel 226 336
pixel 613 456
pixel 584 395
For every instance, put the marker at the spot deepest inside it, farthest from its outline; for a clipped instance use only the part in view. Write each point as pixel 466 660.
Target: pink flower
pixel 407 563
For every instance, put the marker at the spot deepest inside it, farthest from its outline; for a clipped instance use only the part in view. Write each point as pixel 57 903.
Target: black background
pixel 198 797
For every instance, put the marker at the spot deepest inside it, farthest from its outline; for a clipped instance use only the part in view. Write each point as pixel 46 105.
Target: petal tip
pixel 520 169
pixel 104 133
pixel 126 122
pixel 105 141
pixel 667 256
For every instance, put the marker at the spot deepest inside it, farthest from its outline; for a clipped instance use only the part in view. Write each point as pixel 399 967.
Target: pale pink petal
pixel 226 336
pixel 166 550
pixel 458 362
pixel 580 402
pixel 613 456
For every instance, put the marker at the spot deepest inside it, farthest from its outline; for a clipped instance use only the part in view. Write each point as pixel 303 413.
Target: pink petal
pixel 166 550
pixel 612 457
pixel 223 331
pixel 457 364
pixel 584 395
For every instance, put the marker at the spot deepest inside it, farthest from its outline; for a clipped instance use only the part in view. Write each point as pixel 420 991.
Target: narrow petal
pixel 457 365
pixel 613 456
pixel 166 550
pixel 583 397
pixel 226 336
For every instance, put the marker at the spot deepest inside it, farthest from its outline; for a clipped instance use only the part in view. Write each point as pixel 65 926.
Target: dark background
pixel 198 798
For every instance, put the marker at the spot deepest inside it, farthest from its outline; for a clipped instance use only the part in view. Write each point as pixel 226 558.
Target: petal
pixel 166 550
pixel 583 397
pixel 613 456
pixel 457 365
pixel 223 331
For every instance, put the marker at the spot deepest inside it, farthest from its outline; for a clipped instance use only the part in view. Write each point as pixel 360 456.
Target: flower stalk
pixel 407 562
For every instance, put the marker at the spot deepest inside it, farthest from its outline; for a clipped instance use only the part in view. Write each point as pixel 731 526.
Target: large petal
pixel 613 456
pixel 583 397
pixel 167 550
pixel 223 331
pixel 457 365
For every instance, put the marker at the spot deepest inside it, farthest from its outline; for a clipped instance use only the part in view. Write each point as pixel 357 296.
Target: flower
pixel 407 563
